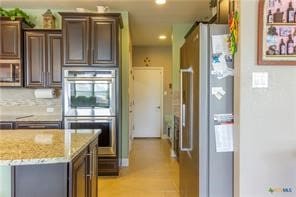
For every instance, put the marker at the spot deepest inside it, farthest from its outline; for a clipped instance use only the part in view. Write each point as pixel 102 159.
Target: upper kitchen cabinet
pixel 11 52
pixel 76 40
pixel 10 35
pixel 43 64
pixel 91 39
pixel 104 42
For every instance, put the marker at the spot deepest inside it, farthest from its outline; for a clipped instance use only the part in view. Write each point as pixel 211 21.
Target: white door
pixel 148 102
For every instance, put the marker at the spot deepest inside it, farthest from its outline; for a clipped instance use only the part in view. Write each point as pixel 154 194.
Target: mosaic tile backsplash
pixel 21 101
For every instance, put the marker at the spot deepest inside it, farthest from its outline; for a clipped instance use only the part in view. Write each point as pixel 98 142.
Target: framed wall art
pixel 277 32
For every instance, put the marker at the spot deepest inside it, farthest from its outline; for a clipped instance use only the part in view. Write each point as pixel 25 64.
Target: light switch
pixel 260 80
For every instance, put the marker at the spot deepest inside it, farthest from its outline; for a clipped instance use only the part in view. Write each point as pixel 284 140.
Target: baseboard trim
pixel 124 162
pixel 173 154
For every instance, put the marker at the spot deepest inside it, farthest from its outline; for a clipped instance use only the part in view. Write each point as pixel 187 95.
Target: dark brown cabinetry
pixel 108 166
pixel 10 35
pixel 6 125
pixel 104 41
pixel 11 52
pixel 77 178
pixel 84 172
pixel 80 175
pixel 43 58
pixel 93 186
pixel 76 40
pixel 38 125
pixel 91 39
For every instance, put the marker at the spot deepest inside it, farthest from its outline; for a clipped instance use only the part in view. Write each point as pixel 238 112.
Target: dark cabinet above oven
pixel 91 39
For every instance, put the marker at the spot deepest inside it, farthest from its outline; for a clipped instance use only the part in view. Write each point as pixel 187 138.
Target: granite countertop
pixel 29 118
pixel 28 147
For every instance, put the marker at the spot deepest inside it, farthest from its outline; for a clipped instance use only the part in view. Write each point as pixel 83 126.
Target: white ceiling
pixel 147 20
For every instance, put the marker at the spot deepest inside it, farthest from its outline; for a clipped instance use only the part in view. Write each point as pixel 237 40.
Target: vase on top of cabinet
pixel 91 39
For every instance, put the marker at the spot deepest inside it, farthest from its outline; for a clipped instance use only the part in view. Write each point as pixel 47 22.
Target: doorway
pixel 148 102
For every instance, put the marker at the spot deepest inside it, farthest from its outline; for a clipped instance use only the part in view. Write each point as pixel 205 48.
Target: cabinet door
pixel 10 36
pixel 79 176
pixel 93 186
pixel 76 41
pixel 54 60
pixel 6 125
pixel 35 59
pixel 104 41
pixel 37 125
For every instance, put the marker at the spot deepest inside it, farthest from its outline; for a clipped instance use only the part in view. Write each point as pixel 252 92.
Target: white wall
pixel 160 56
pixel 266 128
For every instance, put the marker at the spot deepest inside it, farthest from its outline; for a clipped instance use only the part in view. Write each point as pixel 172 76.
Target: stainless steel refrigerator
pixel 204 172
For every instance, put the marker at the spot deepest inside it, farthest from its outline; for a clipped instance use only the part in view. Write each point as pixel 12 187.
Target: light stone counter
pixel 28 147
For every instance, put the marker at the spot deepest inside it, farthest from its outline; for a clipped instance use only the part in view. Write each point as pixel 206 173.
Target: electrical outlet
pixel 49 109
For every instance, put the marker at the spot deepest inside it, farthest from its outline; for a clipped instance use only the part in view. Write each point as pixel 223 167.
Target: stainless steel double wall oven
pixel 91 101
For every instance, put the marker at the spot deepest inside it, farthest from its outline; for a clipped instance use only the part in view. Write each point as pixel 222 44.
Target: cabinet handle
pixel 48 80
pixel 94 161
pixel 36 126
pixel 183 110
pixel 90 165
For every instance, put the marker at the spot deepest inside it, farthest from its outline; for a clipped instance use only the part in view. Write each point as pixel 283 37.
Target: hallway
pixel 151 173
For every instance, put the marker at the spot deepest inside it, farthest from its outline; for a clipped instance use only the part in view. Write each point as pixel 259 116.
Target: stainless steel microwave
pixel 10 73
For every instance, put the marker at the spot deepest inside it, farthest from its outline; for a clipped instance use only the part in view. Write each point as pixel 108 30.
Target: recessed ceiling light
pixel 160 2
pixel 162 37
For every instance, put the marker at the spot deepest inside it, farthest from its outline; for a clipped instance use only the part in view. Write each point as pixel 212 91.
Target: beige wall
pixel 159 57
pixel 266 130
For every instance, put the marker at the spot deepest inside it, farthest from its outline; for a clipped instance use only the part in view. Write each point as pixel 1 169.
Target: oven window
pixel 105 139
pixel 90 95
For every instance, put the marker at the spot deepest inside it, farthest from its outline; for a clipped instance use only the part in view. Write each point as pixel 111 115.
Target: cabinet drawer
pixel 38 125
pixel 108 167
pixel 6 125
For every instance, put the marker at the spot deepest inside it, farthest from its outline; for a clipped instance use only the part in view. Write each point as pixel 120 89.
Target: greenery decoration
pixel 15 13
pixel 233 27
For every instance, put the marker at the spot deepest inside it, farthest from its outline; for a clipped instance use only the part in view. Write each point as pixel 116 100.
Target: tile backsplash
pixel 21 101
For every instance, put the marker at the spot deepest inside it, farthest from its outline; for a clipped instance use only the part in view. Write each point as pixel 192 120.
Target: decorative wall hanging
pixel 147 61
pixel 277 32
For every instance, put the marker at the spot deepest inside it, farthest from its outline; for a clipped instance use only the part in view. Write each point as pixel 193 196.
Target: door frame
pixel 161 89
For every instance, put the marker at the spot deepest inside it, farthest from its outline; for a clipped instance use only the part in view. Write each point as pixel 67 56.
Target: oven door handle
pixel 88 79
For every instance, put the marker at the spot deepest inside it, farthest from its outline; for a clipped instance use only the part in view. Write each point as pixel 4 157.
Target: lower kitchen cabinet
pixel 6 125
pixel 93 186
pixel 75 179
pixel 79 175
pixel 108 166
pixel 84 173
pixel 38 125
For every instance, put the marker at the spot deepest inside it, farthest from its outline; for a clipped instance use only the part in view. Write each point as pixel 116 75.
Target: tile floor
pixel 151 173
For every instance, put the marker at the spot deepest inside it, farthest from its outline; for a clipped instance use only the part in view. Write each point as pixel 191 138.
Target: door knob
pixel 158 107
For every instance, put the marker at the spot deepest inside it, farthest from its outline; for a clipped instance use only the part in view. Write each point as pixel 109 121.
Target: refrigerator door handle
pixel 183 110
pixel 183 115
